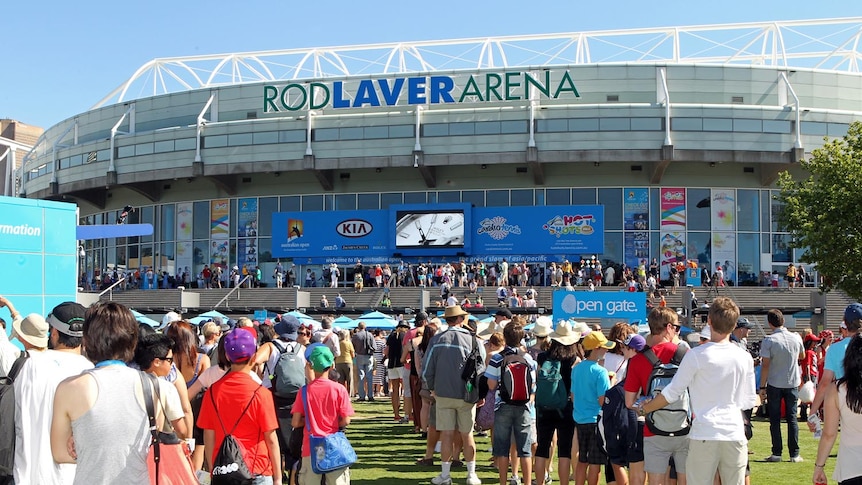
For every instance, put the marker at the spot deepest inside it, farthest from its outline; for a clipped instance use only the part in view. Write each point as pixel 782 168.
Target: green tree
pixel 823 212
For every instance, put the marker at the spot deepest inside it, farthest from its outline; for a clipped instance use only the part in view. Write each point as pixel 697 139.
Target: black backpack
pixel 229 466
pixel 288 376
pixel 7 418
pixel 675 418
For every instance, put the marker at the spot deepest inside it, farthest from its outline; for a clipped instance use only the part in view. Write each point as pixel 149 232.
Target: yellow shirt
pixel 347 352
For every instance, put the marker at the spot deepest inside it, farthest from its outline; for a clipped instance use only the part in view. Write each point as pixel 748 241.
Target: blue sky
pixel 60 58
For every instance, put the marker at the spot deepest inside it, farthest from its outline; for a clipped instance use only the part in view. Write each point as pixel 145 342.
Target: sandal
pixel 425 462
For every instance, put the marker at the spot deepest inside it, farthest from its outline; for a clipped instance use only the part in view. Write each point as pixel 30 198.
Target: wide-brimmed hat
pixel 485 329
pixel 454 311
pixel 32 329
pixel 581 327
pixel 564 334
pixel 543 327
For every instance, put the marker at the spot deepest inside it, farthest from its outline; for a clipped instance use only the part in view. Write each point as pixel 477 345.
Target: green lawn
pixel 387 452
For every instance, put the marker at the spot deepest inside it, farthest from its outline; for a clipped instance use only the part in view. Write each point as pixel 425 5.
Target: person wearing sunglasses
pixel 154 355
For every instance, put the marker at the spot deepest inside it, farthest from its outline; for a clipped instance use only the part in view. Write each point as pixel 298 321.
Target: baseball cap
pixel 420 317
pixel 239 345
pixel 635 341
pixel 504 312
pixel 706 333
pixel 32 329
pixel 743 322
pixel 853 312
pixel 321 358
pixel 68 318
pixel 596 339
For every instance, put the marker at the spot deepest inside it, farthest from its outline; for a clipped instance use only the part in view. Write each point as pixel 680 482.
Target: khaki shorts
pixel 659 449
pixel 308 477
pixel 455 415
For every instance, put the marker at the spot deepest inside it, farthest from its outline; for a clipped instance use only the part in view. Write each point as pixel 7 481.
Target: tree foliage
pixel 823 212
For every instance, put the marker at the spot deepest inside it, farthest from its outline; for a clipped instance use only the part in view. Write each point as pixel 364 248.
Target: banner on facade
pixel 636 209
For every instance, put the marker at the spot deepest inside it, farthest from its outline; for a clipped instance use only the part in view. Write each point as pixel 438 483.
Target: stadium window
pixel 324 134
pixel 265 138
pixel 401 131
pixel 558 196
pixel 518 126
pixel 185 144
pixel 368 201
pixel 615 124
pixel 647 124
pixel 435 129
pixel 163 146
pixel 717 124
pixel 448 196
pixel 291 136
pixel 686 124
pixel 462 128
pixel 143 149
pixel 388 199
pixel 375 132
pixel 239 139
pixel 215 141
pixel 352 133
pixel 747 126
pixel 552 126
pixel 584 124
pixel 497 198
pixel 776 126
pixel 487 128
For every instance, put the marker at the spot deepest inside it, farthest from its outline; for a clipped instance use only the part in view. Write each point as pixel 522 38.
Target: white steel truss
pixel 827 44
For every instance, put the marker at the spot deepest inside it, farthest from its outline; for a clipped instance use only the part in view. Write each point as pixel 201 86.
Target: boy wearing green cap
pixel 329 410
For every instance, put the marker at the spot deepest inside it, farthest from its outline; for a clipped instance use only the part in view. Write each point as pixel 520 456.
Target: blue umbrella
pixel 304 319
pixel 141 318
pixel 344 322
pixel 207 316
pixel 378 320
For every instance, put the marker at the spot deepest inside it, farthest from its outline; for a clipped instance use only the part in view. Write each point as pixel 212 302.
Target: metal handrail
pixel 235 288
pixel 111 288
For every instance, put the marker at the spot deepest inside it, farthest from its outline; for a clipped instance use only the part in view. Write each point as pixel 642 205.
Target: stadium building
pixel 671 139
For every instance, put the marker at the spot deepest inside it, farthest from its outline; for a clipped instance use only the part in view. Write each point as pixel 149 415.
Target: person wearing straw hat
pixel 446 356
pixel 541 330
pixel 558 359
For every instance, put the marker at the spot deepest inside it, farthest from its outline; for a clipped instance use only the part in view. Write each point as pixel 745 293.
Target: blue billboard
pixel 38 251
pixel 569 231
pixel 619 305
pixel 439 230
pixel 330 233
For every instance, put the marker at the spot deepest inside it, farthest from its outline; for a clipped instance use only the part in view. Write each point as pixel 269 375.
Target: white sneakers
pixel 472 479
pixel 441 480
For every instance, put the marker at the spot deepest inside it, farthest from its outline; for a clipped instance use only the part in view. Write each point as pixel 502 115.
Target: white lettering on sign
pixel 570 304
pixel 20 230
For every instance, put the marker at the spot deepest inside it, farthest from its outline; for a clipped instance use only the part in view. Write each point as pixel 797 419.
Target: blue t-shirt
pixel 589 381
pixel 835 357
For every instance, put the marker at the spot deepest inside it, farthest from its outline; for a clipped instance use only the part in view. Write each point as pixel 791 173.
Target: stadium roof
pixel 827 44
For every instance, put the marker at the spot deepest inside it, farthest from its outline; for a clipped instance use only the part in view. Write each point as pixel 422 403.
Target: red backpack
pixel 516 378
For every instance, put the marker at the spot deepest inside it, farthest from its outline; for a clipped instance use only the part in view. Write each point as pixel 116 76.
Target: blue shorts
pixel 512 421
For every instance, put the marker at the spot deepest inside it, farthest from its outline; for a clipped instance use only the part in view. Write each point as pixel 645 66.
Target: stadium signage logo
pixel 419 90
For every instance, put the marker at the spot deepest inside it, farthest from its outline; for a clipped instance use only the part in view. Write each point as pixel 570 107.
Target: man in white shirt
pixel 35 387
pixel 718 376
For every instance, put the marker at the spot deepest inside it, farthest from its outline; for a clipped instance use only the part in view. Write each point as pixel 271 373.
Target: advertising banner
pixel 636 248
pixel 636 210
pixel 184 221
pixel 723 209
pixel 247 215
pixel 330 234
pixel 568 231
pixel 185 256
pixel 672 248
pixel 724 254
pixel 246 252
pixel 219 252
pixel 673 209
pixel 219 219
pixel 619 305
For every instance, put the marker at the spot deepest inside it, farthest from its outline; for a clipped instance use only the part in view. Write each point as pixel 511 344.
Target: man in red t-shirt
pixel 330 410
pixel 657 450
pixel 237 400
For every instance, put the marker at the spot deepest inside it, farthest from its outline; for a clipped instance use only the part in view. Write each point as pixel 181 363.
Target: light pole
pixel 81 264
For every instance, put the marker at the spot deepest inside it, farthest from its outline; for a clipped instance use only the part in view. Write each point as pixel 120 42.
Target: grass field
pixel 387 451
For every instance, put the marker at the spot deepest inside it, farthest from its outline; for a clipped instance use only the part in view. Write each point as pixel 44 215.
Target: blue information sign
pixel 619 305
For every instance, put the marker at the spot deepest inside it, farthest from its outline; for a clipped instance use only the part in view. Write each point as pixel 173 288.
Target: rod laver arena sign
pixel 418 90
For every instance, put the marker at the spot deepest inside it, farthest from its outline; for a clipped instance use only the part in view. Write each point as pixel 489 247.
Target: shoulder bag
pixel 330 452
pixel 168 458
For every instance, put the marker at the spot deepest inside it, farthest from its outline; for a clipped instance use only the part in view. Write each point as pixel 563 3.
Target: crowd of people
pixel 564 390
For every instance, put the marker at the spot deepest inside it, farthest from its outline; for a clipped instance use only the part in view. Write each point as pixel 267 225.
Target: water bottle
pixel 815 425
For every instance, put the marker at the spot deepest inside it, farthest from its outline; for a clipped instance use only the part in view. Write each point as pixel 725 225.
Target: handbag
pixel 485 414
pixel 168 458
pixel 330 452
